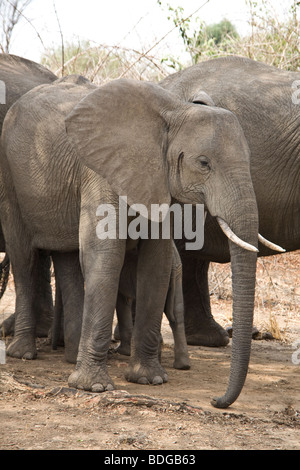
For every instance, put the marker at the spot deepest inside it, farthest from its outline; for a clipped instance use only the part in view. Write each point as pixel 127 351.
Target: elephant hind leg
pixel 43 302
pixel 125 323
pixel 70 280
pixel 200 327
pixel 25 269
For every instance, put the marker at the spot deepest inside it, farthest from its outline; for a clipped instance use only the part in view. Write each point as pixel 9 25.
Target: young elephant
pixel 71 147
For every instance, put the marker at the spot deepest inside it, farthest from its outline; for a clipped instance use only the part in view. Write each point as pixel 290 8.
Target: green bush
pixel 272 40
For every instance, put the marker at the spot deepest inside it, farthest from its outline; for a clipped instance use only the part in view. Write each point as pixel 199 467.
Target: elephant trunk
pixel 243 268
pixel 4 274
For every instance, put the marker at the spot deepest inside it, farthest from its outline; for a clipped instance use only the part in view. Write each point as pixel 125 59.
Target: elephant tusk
pixel 270 245
pixel 234 238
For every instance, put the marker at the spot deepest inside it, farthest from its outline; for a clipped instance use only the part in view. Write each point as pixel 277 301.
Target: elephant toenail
pixel 157 380
pixel 97 388
pixel 143 381
pixel 109 387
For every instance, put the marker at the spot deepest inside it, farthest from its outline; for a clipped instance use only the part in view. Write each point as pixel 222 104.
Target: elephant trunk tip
pixel 221 402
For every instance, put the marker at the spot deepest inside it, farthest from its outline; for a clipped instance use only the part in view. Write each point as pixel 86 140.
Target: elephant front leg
pixel 153 276
pixel 101 274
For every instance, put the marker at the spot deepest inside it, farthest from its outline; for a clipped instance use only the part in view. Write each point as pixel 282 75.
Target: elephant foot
pixel 208 334
pixel 22 348
pixel 153 374
pixel 92 377
pixel 182 362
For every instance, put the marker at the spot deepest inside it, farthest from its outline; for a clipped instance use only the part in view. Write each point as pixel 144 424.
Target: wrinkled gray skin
pixel 124 308
pixel 19 76
pixel 261 98
pixel 173 307
pixel 134 139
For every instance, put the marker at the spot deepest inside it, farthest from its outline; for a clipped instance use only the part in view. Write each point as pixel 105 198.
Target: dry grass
pixel 102 63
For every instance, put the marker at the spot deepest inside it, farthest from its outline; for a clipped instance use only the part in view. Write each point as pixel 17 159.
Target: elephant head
pixel 151 147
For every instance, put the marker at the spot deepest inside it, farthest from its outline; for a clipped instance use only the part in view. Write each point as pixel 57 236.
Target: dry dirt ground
pixel 38 411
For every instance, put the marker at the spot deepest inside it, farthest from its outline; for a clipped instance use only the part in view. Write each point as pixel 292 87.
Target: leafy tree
pixel 273 39
pixel 220 31
pixel 198 37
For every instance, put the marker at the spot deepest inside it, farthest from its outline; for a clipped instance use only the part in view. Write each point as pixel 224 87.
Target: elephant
pixel 261 97
pixel 19 75
pixel 70 148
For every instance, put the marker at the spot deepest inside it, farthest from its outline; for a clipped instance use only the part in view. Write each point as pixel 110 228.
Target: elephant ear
pixel 201 97
pixel 120 131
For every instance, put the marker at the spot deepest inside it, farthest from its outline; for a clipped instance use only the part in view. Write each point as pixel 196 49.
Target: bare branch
pixel 164 37
pixel 62 41
pixel 11 12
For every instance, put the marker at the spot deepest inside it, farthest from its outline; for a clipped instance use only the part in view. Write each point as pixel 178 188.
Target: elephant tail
pixel 4 274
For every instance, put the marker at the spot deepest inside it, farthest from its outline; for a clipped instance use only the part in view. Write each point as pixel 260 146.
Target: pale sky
pixel 136 24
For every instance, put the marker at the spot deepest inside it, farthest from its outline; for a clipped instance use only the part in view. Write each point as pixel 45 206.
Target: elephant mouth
pixel 241 243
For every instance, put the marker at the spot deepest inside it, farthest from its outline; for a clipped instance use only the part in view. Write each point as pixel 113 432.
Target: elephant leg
pixel 69 276
pixel 101 267
pixel 200 327
pixel 125 323
pixel 25 278
pixel 153 276
pixel 43 302
pixel 4 274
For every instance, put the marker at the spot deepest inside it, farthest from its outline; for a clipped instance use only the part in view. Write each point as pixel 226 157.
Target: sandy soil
pixel 39 411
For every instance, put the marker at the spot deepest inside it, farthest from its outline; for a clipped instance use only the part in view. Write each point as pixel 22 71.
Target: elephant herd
pixel 223 134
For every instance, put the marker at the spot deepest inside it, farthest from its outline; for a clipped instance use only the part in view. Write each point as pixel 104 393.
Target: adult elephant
pixel 261 97
pixel 131 139
pixel 18 76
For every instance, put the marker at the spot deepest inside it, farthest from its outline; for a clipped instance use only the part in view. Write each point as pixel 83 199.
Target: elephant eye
pixel 203 162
